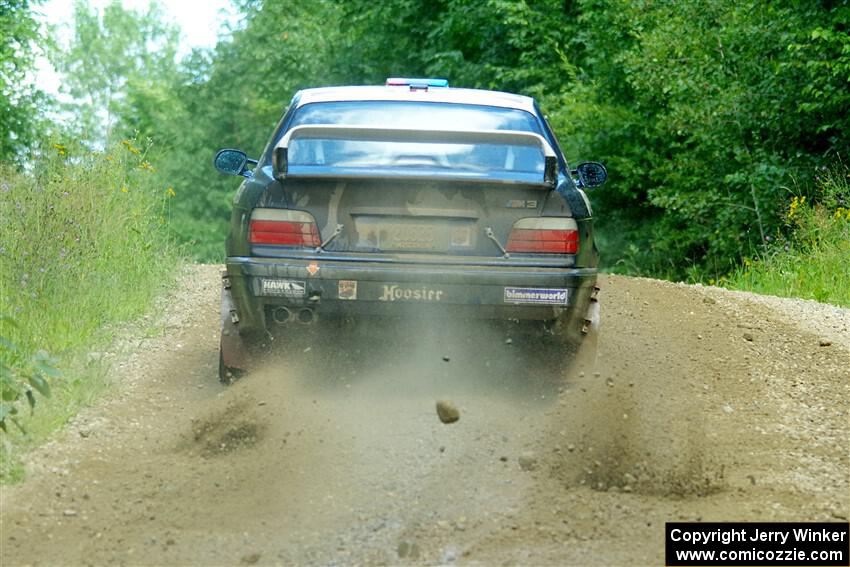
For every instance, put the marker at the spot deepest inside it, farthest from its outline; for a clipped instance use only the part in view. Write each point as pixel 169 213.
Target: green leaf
pixel 10 392
pixel 40 384
pixel 47 369
pixel 31 400
pixel 43 363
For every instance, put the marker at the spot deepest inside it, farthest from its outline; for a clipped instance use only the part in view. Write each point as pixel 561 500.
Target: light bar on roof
pixel 416 83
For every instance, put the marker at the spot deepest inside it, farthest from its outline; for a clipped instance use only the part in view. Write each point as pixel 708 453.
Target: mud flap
pixel 234 348
pixel 587 350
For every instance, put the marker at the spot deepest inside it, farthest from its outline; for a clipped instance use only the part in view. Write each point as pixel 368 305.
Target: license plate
pixel 408 236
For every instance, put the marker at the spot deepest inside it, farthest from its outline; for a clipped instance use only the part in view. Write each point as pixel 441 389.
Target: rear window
pixel 484 158
pixel 493 159
pixel 416 115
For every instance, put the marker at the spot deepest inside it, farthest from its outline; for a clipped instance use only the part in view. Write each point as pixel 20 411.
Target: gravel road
pixel 704 405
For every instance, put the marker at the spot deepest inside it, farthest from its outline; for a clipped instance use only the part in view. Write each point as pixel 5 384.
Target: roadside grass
pixel 814 261
pixel 84 245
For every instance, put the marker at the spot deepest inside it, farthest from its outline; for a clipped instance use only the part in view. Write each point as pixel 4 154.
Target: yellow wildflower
pixel 124 189
pixel 146 165
pixel 170 192
pixel 796 203
pixel 130 147
pixel 60 149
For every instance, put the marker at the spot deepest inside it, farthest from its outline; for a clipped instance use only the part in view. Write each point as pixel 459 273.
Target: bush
pixel 813 260
pixel 84 243
pixel 21 377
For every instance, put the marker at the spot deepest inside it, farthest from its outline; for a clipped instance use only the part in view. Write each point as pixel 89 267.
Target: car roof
pixel 405 93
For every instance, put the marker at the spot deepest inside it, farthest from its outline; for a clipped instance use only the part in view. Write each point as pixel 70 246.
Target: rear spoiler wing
pixel 280 162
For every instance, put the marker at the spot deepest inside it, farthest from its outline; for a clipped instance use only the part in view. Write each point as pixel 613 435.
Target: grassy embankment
pixel 83 245
pixel 813 261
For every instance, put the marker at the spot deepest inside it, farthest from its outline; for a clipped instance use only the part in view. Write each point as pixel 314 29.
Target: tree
pixel 19 99
pixel 111 54
pixel 706 115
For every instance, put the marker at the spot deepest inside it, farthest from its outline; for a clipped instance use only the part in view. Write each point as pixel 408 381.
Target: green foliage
pixel 821 57
pixel 116 59
pixel 709 143
pixel 812 261
pixel 495 44
pixel 21 376
pixel 19 100
pixel 84 244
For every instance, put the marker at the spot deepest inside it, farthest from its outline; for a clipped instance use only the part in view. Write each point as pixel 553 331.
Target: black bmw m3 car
pixel 378 201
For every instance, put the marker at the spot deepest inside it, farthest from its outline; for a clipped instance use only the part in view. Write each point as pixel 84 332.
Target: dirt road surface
pixel 705 405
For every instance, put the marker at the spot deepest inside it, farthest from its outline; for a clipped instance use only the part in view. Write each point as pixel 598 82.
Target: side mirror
pixel 591 174
pixel 232 162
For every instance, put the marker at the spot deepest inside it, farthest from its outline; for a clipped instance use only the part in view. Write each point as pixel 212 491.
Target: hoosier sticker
pixel 537 296
pixel 402 293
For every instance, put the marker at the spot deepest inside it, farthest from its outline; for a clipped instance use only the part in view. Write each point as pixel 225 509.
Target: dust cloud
pixel 418 357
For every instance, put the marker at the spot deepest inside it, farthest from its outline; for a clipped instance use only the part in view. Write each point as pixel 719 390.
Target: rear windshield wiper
pixel 488 232
pixel 337 231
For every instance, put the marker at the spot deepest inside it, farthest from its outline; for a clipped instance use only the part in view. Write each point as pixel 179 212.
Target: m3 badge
pixel 521 204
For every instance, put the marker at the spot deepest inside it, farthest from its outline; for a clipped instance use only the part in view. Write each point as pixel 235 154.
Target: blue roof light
pixel 416 83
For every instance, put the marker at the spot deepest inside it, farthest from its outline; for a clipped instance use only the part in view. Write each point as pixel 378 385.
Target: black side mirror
pixel 232 162
pixel 591 174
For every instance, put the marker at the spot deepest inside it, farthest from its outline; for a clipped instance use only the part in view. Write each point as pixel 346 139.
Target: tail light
pixel 544 235
pixel 284 227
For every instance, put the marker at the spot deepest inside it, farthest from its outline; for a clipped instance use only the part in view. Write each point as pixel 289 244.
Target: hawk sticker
pixel 282 288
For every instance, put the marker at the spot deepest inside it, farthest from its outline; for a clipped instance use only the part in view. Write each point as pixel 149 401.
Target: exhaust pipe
pixel 306 316
pixel 281 315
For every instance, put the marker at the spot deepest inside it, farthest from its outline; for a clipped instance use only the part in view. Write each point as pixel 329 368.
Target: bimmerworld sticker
pixel 283 288
pixel 537 296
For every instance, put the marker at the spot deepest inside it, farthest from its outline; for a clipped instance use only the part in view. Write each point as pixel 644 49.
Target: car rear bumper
pixel 332 288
